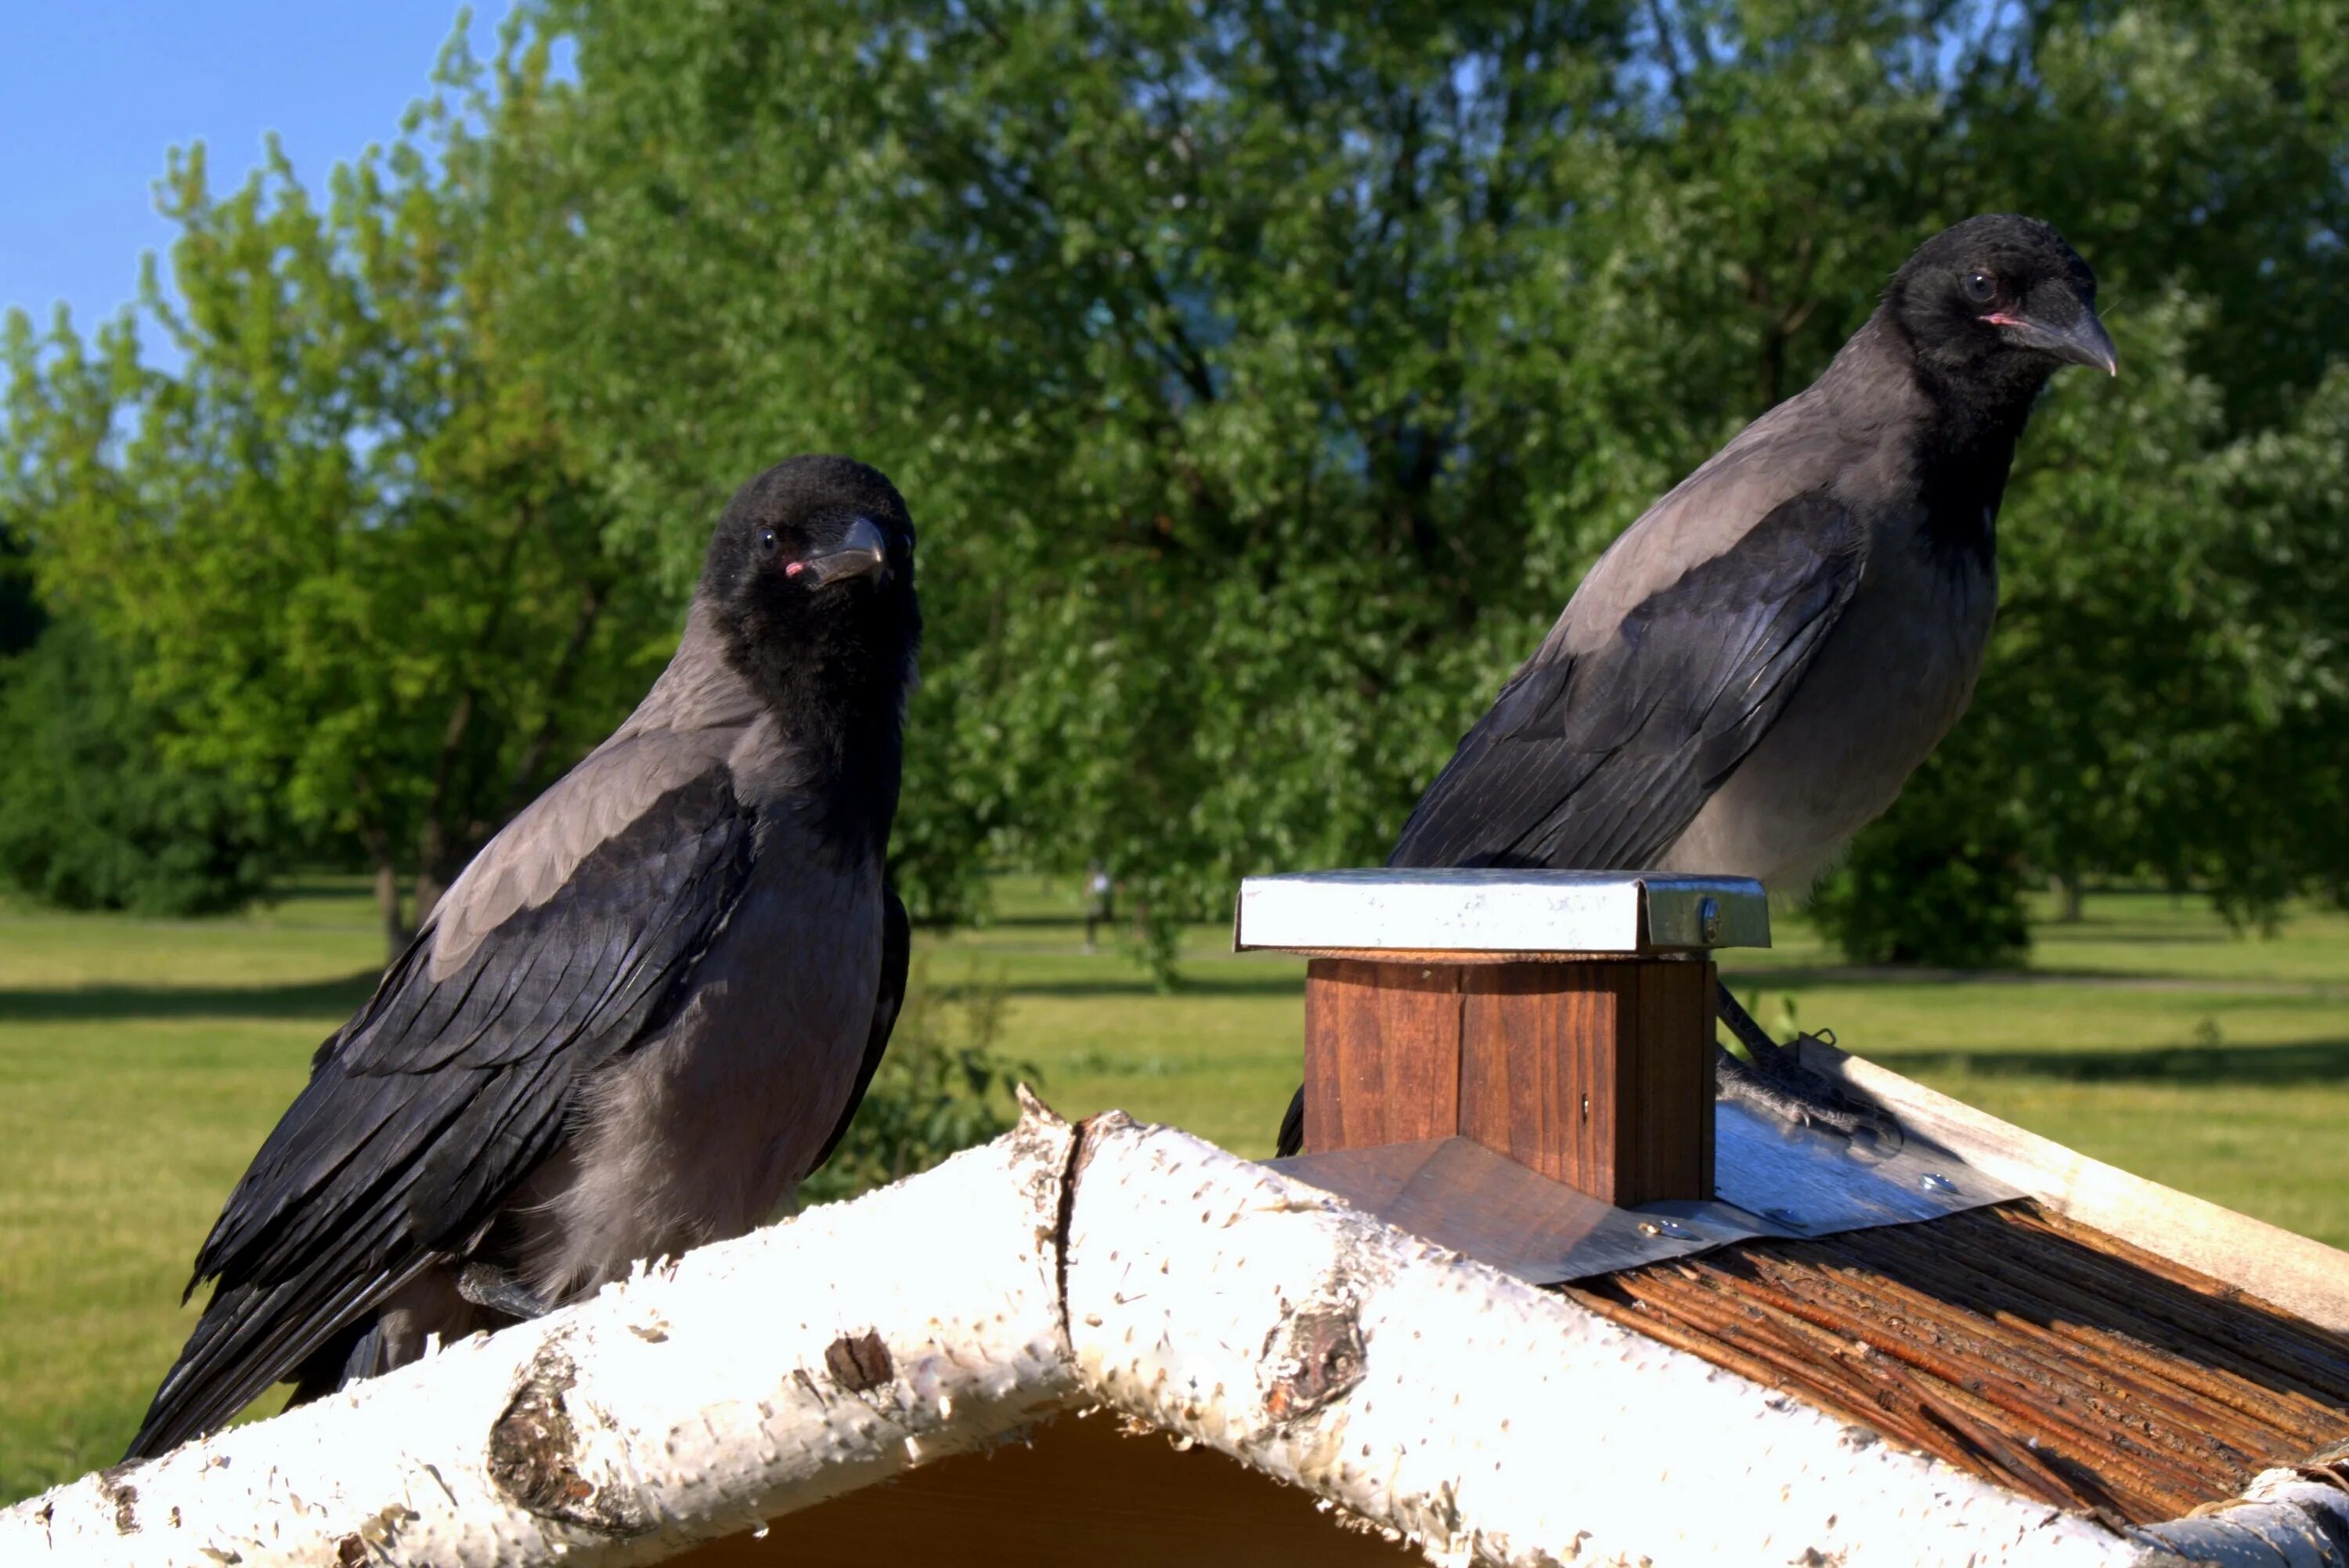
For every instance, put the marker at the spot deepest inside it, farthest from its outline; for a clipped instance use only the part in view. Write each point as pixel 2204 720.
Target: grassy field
pixel 145 1059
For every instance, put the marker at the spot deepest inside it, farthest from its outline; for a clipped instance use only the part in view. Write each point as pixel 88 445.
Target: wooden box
pixel 1564 1019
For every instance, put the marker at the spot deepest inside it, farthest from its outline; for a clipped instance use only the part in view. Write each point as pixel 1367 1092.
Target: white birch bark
pixel 1132 1266
pixel 747 1380
pixel 1489 1420
pixel 2285 1519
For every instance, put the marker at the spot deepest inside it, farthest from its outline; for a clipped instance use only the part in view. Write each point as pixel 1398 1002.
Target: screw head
pixel 1934 1181
pixel 1708 919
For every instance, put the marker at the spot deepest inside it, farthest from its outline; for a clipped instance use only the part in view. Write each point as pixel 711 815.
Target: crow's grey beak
pixel 863 551
pixel 2071 331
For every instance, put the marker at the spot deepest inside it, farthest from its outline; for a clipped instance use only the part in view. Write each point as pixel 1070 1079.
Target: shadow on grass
pixel 2296 1062
pixel 2118 931
pixel 337 1000
pixel 1192 982
pixel 98 1004
pixel 1830 976
pixel 317 891
pixel 1074 924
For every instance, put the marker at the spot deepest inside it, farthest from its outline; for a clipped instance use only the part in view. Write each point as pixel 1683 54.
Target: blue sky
pixel 93 93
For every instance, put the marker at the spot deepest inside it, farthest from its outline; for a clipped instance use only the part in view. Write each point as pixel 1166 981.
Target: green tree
pixel 1216 351
pixel 2167 678
pixel 352 539
pixel 1938 881
pixel 21 615
pixel 97 817
pixel 1264 376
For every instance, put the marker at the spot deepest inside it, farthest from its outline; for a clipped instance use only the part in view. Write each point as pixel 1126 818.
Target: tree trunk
pixel 2068 898
pixel 432 838
pixel 520 787
pixel 431 866
pixel 429 886
pixel 397 932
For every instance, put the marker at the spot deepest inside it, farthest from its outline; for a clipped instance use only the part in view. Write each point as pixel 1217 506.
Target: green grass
pixel 145 1059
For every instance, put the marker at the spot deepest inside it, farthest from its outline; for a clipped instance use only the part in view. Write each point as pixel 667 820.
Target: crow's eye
pixel 767 542
pixel 1981 287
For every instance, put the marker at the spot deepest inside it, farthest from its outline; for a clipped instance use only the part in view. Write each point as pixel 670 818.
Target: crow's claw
pixel 1777 1082
pixel 499 1291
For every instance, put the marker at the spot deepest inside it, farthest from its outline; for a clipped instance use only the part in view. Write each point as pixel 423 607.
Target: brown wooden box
pixel 1597 1073
pixel 1563 1018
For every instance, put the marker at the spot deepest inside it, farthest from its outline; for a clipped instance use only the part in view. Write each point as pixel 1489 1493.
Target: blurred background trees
pixel 358 570
pixel 1262 376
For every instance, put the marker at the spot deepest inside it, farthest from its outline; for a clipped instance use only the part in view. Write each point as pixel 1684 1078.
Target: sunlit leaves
pixel 365 570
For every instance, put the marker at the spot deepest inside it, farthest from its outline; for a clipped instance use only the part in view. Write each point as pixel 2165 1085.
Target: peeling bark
pixel 692 1401
pixel 1487 1421
pixel 2285 1519
pixel 1114 1265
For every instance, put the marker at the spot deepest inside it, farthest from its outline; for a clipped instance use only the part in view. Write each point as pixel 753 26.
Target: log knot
pixel 122 1495
pixel 1311 1357
pixel 859 1365
pixel 534 1455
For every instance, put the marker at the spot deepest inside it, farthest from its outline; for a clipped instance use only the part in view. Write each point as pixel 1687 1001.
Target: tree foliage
pixel 21 615
pixel 97 817
pixel 1939 882
pixel 1265 375
pixel 348 531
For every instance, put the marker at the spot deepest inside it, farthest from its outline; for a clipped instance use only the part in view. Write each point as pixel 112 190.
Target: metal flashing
pixel 1530 912
pixel 1770 1180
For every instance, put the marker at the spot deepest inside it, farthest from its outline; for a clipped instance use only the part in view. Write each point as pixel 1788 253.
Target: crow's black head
pixel 1992 306
pixel 811 578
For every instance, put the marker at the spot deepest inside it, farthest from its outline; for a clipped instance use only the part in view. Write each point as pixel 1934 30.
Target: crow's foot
pixel 1777 1082
pixel 490 1287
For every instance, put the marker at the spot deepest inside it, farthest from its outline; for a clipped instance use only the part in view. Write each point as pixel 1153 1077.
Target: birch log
pixel 1415 1392
pixel 747 1380
pixel 1485 1419
pixel 2285 1519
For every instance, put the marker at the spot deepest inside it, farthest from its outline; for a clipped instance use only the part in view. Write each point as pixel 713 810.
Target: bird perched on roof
pixel 1753 669
pixel 639 1017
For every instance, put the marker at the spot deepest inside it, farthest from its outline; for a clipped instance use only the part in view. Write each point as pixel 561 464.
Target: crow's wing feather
pixel 897 955
pixel 425 1109
pixel 1598 757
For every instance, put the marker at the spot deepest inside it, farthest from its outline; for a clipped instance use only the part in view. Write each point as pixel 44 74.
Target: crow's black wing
pixel 424 1110
pixel 897 955
pixel 1598 760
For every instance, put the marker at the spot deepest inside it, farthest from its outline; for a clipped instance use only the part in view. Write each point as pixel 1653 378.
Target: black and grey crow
pixel 646 1010
pixel 1750 673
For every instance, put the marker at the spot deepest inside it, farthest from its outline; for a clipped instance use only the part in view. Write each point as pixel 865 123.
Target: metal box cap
pixel 1527 912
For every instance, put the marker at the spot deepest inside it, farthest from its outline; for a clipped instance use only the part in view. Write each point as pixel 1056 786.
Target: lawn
pixel 145 1059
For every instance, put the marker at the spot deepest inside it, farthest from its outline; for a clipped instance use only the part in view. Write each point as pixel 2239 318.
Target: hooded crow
pixel 643 1013
pixel 1753 669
